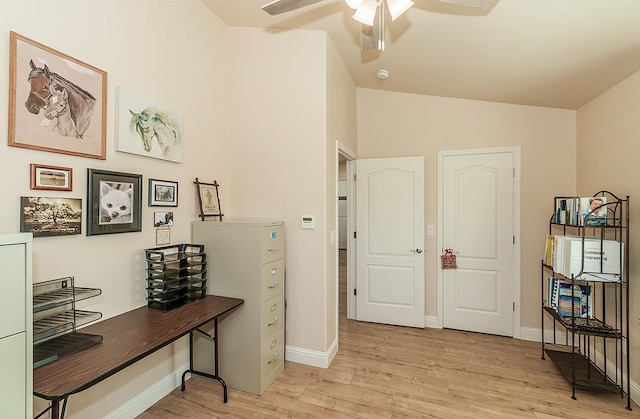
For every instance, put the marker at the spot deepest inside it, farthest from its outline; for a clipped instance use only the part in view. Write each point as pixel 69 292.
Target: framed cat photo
pixel 114 202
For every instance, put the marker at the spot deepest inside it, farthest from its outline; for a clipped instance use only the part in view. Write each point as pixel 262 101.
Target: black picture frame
pixel 123 212
pixel 163 193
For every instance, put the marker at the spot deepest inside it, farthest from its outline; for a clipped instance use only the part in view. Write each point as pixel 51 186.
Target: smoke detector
pixel 383 74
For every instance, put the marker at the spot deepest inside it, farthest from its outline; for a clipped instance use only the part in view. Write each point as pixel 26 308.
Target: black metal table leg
pixel 213 376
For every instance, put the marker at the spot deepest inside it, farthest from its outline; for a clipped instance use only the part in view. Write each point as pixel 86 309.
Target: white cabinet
pixel 16 344
pixel 246 260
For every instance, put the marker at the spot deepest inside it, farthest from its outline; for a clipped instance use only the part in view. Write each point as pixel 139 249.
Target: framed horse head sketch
pixel 56 102
pixel 147 128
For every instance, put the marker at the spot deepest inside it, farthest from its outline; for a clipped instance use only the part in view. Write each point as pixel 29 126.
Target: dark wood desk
pixel 127 338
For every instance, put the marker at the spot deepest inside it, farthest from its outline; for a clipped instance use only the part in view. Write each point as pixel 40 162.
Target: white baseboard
pixel 431 322
pixel 310 357
pixel 150 395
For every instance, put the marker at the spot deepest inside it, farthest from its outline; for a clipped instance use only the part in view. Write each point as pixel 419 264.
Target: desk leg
pixel 215 375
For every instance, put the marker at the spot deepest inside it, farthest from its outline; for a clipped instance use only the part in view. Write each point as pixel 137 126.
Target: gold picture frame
pixel 53 178
pixel 56 102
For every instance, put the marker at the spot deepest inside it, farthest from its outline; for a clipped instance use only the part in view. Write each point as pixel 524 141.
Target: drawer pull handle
pixel 273 249
pixel 274 307
pixel 274 359
pixel 273 322
pixel 273 344
pixel 276 285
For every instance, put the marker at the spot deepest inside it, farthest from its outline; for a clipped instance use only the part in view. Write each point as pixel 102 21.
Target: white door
pixel 390 241
pixel 478 224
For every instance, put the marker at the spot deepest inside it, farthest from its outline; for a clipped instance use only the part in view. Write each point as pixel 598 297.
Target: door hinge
pixel 514 172
pixel 514 239
pixel 514 306
pixel 355 291
pixel 354 235
pixel 354 178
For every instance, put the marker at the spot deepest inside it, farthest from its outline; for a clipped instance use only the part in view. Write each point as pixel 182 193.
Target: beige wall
pixel 291 99
pixel 394 124
pixel 178 57
pixel 608 149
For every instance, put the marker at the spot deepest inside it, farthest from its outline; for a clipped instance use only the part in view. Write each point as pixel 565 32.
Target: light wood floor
pixel 384 371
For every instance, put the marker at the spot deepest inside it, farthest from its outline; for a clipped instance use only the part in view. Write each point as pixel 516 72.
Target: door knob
pixel 418 250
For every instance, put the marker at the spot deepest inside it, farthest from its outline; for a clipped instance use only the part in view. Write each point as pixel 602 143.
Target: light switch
pixel 430 231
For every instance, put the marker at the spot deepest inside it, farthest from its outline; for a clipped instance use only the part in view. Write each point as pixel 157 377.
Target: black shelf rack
pixel 175 275
pixel 592 350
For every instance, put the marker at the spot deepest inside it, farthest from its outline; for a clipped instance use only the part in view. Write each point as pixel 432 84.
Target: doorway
pixel 346 246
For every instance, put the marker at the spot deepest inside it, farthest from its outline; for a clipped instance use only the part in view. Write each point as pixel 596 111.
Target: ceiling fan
pixel 371 13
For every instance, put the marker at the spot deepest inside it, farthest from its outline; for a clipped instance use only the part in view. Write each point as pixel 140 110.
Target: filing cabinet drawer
pixel 272 353
pixel 272 243
pixel 272 279
pixel 272 315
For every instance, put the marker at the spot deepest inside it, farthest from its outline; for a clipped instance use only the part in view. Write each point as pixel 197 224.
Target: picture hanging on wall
pixel 113 202
pixel 163 219
pixel 163 193
pixel 147 128
pixel 56 102
pixel 54 178
pixel 45 217
pixel 208 199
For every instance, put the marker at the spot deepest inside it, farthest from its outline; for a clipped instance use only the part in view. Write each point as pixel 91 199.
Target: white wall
pixel 173 52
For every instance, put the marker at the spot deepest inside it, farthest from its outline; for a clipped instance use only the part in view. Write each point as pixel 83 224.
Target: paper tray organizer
pixel 175 275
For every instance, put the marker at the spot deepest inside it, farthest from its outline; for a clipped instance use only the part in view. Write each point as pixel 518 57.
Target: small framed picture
pixel 113 202
pixel 163 236
pixel 163 193
pixel 209 200
pixel 163 219
pixel 51 177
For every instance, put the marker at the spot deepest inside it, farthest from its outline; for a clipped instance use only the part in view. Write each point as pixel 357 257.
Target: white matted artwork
pixel 147 128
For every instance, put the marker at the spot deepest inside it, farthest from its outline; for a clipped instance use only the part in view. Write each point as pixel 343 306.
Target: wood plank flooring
pixel 384 371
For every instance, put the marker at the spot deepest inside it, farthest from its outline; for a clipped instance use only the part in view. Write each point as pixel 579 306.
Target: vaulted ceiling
pixel 552 53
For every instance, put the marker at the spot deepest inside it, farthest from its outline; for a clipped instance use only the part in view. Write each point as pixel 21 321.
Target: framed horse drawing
pixel 56 102
pixel 147 128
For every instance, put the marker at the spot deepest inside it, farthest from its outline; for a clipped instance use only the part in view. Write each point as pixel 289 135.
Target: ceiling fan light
pixel 398 7
pixel 366 13
pixel 354 4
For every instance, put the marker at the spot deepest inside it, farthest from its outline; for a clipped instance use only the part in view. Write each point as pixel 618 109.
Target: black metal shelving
pixel 592 350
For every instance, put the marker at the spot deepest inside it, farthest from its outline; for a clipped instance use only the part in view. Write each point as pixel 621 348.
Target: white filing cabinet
pixel 16 336
pixel 245 259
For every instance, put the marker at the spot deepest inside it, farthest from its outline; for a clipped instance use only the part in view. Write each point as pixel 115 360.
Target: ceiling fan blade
pixel 471 3
pixel 282 6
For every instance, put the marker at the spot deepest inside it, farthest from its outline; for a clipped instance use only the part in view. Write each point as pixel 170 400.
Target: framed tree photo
pixel 208 199
pixel 50 216
pixel 113 202
pixel 56 102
